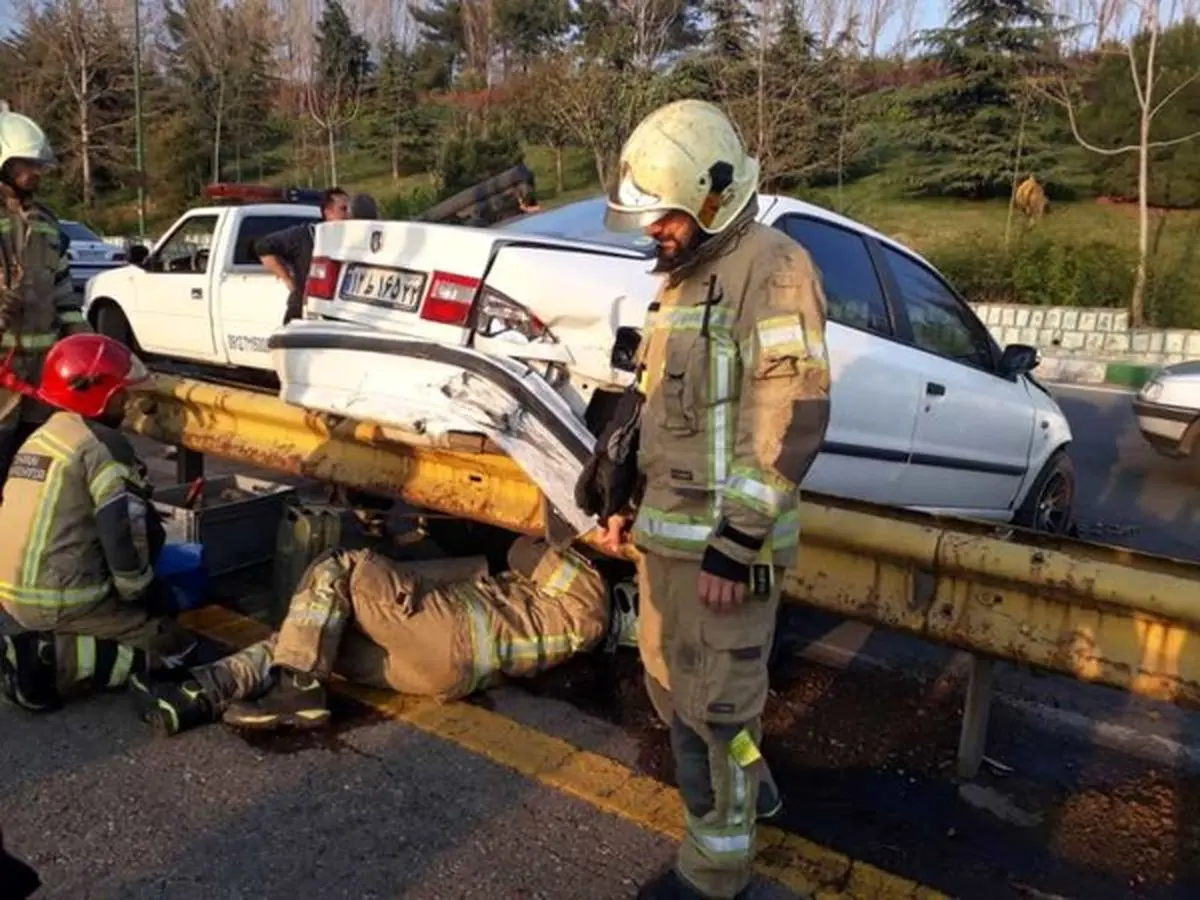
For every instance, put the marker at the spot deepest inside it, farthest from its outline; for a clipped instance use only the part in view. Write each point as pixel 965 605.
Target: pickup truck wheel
pixel 1049 506
pixel 111 322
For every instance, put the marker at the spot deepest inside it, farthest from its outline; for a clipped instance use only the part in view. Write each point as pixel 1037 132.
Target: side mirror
pixel 138 254
pixel 1019 359
pixel 624 352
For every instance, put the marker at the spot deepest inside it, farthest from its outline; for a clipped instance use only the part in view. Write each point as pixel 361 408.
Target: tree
pixel 964 125
pixel 1155 88
pixel 77 57
pixel 199 41
pixel 397 119
pixel 335 86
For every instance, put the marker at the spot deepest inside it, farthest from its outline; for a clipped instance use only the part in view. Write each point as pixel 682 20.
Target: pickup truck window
pixel 254 227
pixel 187 249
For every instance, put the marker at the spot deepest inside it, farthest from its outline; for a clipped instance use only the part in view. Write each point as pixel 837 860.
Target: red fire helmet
pixel 83 372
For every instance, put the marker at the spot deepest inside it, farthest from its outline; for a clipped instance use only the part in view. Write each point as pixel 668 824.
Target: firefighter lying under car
pixel 443 628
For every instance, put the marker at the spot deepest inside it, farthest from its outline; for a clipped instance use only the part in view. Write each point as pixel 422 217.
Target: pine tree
pixel 965 125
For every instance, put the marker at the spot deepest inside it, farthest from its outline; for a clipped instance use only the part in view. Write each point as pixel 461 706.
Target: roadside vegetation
pixel 1036 153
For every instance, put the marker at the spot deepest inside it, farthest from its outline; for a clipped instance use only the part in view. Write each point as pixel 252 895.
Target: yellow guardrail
pixel 1095 613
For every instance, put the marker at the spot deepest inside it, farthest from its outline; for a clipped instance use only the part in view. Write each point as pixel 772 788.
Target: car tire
pixel 111 323
pixel 1049 505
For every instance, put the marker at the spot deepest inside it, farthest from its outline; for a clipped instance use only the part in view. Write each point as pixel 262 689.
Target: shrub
pixel 1055 272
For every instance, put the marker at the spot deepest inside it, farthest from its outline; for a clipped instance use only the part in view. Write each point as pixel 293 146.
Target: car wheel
pixel 111 322
pixel 1050 505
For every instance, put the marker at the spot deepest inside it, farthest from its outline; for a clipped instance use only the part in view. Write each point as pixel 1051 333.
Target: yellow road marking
pixel 798 864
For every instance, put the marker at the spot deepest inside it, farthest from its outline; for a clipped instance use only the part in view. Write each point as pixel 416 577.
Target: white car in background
pixel 1168 409
pixel 88 253
pixel 524 333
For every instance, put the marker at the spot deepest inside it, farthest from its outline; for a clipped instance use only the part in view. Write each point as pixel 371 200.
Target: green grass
pixel 931 225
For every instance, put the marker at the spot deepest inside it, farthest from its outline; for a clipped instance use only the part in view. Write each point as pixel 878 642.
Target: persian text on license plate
pixel 383 287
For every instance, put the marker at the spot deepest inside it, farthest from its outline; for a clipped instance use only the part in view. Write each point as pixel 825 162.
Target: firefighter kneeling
pixel 733 381
pixel 80 537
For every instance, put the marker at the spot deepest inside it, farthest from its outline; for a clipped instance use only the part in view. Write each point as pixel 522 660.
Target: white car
pixel 524 333
pixel 1168 409
pixel 89 254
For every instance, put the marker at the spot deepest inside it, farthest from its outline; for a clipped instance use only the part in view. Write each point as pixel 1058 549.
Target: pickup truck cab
pixel 200 294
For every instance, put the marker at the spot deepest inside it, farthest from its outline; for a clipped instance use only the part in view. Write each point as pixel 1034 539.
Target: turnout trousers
pixel 706 673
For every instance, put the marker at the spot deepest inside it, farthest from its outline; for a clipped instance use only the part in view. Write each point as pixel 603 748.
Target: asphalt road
pixel 1128 493
pixel 1091 794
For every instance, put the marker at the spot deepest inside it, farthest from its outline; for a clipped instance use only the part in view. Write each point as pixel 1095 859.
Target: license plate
pixel 91 255
pixel 383 287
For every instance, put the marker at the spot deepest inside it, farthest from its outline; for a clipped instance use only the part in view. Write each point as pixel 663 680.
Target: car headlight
pixel 1151 390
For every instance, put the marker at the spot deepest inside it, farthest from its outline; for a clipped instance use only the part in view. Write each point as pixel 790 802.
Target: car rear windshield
pixel 77 232
pixel 581 221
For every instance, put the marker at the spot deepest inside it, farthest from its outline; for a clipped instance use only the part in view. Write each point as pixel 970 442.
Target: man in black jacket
pixel 287 253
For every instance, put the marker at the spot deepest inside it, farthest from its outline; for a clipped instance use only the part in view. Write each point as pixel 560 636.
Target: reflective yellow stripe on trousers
pixel 35 340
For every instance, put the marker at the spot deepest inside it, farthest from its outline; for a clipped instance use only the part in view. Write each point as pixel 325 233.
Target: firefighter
pixel 80 538
pixel 38 305
pixel 442 629
pixel 730 410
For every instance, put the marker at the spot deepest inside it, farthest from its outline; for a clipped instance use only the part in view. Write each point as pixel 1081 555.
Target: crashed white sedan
pixel 1168 409
pixel 525 334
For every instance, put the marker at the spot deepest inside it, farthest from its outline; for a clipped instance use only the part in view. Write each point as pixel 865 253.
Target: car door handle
pixel 934 389
pixel 197 294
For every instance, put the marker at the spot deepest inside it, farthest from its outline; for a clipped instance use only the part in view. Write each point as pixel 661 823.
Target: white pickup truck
pixel 200 294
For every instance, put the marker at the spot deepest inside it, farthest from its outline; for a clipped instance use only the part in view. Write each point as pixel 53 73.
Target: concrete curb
pixel 1071 370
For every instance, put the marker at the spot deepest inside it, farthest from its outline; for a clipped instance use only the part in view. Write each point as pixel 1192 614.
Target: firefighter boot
pixel 295 699
pixel 29 671
pixel 670 885
pixel 171 705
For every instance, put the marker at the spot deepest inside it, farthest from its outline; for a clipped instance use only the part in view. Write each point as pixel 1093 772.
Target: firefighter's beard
pixel 672 253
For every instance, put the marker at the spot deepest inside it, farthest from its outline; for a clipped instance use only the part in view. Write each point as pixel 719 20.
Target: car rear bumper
pixel 1165 427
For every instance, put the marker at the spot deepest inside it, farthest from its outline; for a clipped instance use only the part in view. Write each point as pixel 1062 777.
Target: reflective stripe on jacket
pixel 75 520
pixel 736 377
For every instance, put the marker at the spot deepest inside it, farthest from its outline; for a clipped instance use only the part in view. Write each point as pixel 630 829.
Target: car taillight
pixel 501 317
pixel 322 278
pixel 449 299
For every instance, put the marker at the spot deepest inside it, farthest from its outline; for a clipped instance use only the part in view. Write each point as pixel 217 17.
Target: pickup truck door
pixel 171 291
pixel 249 301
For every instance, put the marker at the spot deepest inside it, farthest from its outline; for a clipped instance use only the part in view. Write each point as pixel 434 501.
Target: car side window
pixel 939 321
pixel 253 227
pixel 853 293
pixel 187 250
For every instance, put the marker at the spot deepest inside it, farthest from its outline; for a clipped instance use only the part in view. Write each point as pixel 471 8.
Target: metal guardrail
pixel 1095 613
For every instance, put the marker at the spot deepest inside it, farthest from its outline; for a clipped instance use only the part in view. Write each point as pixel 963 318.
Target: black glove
pixel 609 479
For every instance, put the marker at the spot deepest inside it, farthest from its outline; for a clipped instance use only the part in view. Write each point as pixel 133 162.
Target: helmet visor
pixel 630 208
pixel 137 372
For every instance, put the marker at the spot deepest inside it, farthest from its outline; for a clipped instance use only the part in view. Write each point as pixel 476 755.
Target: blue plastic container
pixel 181 566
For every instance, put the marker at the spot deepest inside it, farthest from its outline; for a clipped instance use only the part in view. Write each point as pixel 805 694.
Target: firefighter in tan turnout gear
pixel 443 629
pixel 37 303
pixel 80 537
pixel 730 410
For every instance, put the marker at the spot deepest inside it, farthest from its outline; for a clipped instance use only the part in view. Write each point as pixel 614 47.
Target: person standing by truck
pixel 38 305
pixel 287 253
pixel 731 408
